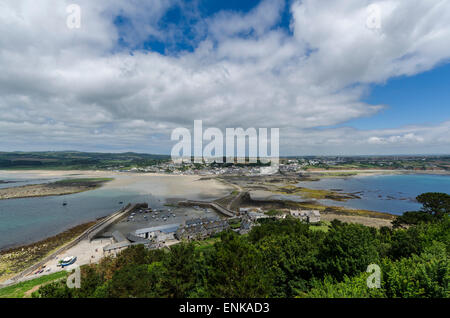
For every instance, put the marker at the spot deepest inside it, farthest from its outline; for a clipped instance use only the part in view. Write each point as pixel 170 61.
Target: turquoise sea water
pixel 384 193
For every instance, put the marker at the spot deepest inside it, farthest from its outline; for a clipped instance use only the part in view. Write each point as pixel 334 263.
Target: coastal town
pixel 249 196
pixel 139 224
pixel 295 165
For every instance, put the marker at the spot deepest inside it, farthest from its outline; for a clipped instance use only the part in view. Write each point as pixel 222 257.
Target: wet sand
pixel 160 185
pixel 48 189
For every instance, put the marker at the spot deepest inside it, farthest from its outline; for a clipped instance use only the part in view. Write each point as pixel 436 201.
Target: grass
pixel 315 193
pixel 323 226
pixel 206 244
pixel 236 225
pixel 343 210
pixel 19 290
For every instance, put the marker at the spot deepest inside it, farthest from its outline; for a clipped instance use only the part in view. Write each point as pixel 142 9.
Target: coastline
pixel 370 172
pixel 56 188
pixel 89 172
pixel 16 259
pixel 38 190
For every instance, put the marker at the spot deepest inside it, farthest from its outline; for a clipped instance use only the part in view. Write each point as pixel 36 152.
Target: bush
pixel 427 275
pixel 347 250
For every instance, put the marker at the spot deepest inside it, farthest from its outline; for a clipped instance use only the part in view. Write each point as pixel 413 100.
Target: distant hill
pixel 76 160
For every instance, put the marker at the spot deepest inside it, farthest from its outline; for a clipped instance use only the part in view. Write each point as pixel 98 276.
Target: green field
pixel 20 290
pixel 73 160
pixel 323 226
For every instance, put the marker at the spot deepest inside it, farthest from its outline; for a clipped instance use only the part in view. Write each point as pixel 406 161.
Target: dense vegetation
pixel 435 207
pixel 76 160
pixel 282 258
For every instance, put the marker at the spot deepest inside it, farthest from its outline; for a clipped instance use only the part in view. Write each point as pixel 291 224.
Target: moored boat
pixel 67 261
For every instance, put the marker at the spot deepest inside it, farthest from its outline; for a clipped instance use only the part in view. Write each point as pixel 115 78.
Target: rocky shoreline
pixel 15 260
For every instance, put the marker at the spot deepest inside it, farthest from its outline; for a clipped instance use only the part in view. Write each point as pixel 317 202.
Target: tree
pixel 435 203
pixel 347 250
pixel 181 270
pixel 237 270
pixel 54 290
pixel 131 281
pixel 292 260
pixel 412 218
pixel 350 287
pixel 427 275
pixel 416 238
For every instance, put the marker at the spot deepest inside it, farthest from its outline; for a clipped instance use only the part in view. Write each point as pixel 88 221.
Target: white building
pixel 310 216
pixel 158 233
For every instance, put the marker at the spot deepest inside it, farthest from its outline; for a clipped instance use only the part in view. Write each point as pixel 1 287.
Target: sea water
pixel 394 193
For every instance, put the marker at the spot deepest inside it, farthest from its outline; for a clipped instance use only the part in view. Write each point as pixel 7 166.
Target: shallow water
pixel 384 193
pixel 28 220
pixel 8 182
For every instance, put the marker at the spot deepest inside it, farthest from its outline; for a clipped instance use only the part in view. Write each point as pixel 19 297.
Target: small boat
pixel 64 203
pixel 67 261
pixel 121 202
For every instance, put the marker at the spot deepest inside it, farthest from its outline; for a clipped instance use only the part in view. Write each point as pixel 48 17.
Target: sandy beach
pixel 68 186
pixel 158 185
pixel 161 185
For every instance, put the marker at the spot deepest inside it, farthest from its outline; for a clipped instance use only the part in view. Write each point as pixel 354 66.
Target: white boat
pixel 67 261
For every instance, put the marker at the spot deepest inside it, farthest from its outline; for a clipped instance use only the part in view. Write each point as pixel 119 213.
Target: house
pixel 158 233
pixel 309 216
pixel 201 228
pixel 254 216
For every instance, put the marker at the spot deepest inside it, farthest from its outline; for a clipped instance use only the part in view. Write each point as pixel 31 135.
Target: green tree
pixel 181 270
pixel 131 281
pixel 412 218
pixel 427 275
pixel 350 287
pixel 54 290
pixel 237 269
pixel 347 250
pixel 435 203
pixel 415 239
pixel 292 260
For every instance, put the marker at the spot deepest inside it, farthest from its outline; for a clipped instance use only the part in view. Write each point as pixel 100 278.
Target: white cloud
pixel 63 88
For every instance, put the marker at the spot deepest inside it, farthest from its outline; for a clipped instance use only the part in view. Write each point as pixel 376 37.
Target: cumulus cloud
pixel 64 88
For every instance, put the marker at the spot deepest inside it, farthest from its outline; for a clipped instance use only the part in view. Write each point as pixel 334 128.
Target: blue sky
pixel 414 100
pixel 134 71
pixel 183 16
pixel 423 98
